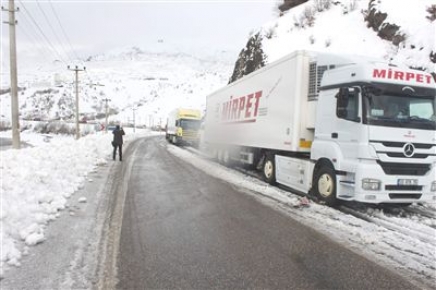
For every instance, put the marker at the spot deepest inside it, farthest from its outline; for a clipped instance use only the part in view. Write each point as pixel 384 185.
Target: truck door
pixel 347 129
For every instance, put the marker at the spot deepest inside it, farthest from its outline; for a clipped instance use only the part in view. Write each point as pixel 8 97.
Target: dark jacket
pixel 118 135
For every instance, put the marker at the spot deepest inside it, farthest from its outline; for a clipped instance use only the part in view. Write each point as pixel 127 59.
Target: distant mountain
pixel 146 82
pixel 400 31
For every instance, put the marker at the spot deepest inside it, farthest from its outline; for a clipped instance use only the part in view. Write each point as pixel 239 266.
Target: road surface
pixel 182 229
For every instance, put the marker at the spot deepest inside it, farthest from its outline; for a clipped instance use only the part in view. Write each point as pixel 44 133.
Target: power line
pixel 35 37
pixel 32 37
pixel 53 30
pixel 63 30
pixel 42 33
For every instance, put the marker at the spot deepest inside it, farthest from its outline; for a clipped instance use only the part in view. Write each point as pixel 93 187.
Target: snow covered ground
pixel 39 183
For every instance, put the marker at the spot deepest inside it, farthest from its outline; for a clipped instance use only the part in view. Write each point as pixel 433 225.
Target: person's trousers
pixel 120 150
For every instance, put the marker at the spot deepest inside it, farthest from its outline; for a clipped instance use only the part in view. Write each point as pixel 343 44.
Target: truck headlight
pixel 371 184
pixel 433 186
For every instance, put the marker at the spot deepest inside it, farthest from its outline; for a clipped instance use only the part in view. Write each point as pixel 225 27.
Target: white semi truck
pixel 339 127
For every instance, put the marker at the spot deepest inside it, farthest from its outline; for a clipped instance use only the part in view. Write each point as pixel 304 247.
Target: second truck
pixel 338 127
pixel 183 126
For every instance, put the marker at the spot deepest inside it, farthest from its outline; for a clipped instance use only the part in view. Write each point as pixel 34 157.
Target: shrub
pixel 311 39
pixel 270 33
pixel 321 5
pixel 432 13
pixel 309 16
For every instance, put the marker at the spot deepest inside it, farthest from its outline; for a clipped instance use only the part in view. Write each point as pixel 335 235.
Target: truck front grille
pixel 404 168
pixel 190 134
pixel 405 195
pixel 404 187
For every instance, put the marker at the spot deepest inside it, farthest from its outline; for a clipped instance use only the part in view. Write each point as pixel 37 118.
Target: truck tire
pixel 325 185
pixel 174 140
pixel 269 169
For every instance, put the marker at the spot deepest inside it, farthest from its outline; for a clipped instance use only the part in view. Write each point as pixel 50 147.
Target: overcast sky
pixel 98 26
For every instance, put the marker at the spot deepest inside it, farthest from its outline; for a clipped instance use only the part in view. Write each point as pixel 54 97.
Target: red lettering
pixel 402 76
pixel 389 74
pixel 399 75
pixel 410 76
pixel 256 105
pixel 234 108
pixel 241 106
pixel 379 73
pixel 248 106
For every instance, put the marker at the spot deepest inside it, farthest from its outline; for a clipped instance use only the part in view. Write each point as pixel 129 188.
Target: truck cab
pixel 375 136
pixel 183 126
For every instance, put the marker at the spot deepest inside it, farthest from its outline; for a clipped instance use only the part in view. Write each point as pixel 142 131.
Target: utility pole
pixel 107 111
pixel 134 124
pixel 77 69
pixel 14 79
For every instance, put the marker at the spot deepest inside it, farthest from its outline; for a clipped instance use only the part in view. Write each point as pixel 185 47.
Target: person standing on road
pixel 118 142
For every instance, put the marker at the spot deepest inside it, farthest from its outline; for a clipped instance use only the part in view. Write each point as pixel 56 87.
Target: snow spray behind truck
pixel 183 126
pixel 339 127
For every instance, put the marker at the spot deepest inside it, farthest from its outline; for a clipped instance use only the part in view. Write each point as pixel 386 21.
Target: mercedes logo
pixel 409 150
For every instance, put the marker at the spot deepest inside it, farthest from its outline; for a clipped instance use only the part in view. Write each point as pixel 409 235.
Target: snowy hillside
pixel 402 32
pixel 148 82
pixel 151 81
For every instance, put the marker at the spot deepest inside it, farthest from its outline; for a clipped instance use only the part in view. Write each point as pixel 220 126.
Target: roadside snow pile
pixel 36 184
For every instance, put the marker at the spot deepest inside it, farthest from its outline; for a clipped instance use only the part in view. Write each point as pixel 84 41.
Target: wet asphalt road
pixel 183 229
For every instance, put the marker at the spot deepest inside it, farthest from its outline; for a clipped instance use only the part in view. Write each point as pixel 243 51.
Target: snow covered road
pixel 61 226
pixel 401 240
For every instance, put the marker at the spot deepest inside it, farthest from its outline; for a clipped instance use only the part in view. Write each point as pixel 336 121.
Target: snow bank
pixel 37 183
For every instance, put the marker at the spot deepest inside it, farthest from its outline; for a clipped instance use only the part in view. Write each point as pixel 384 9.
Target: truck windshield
pixel 399 108
pixel 188 124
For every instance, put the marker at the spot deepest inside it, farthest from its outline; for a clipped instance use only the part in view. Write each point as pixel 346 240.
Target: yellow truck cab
pixel 183 126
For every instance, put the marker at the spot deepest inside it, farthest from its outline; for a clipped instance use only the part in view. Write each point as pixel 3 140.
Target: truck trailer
pixel 338 127
pixel 183 125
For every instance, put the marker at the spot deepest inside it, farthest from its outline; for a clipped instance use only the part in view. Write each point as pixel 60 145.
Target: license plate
pixel 407 182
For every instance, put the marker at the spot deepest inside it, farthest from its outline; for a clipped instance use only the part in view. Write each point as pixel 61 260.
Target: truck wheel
pixel 269 169
pixel 174 140
pixel 325 185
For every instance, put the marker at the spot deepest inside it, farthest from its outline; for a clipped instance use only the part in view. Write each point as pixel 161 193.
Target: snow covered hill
pixel 150 82
pixel 399 31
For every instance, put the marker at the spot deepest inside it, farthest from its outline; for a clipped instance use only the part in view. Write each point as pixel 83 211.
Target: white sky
pixel 97 26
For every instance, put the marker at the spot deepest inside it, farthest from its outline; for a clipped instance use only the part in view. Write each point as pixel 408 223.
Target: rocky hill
pixel 400 31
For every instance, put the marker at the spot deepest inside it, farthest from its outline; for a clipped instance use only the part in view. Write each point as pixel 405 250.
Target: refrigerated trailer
pixel 335 126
